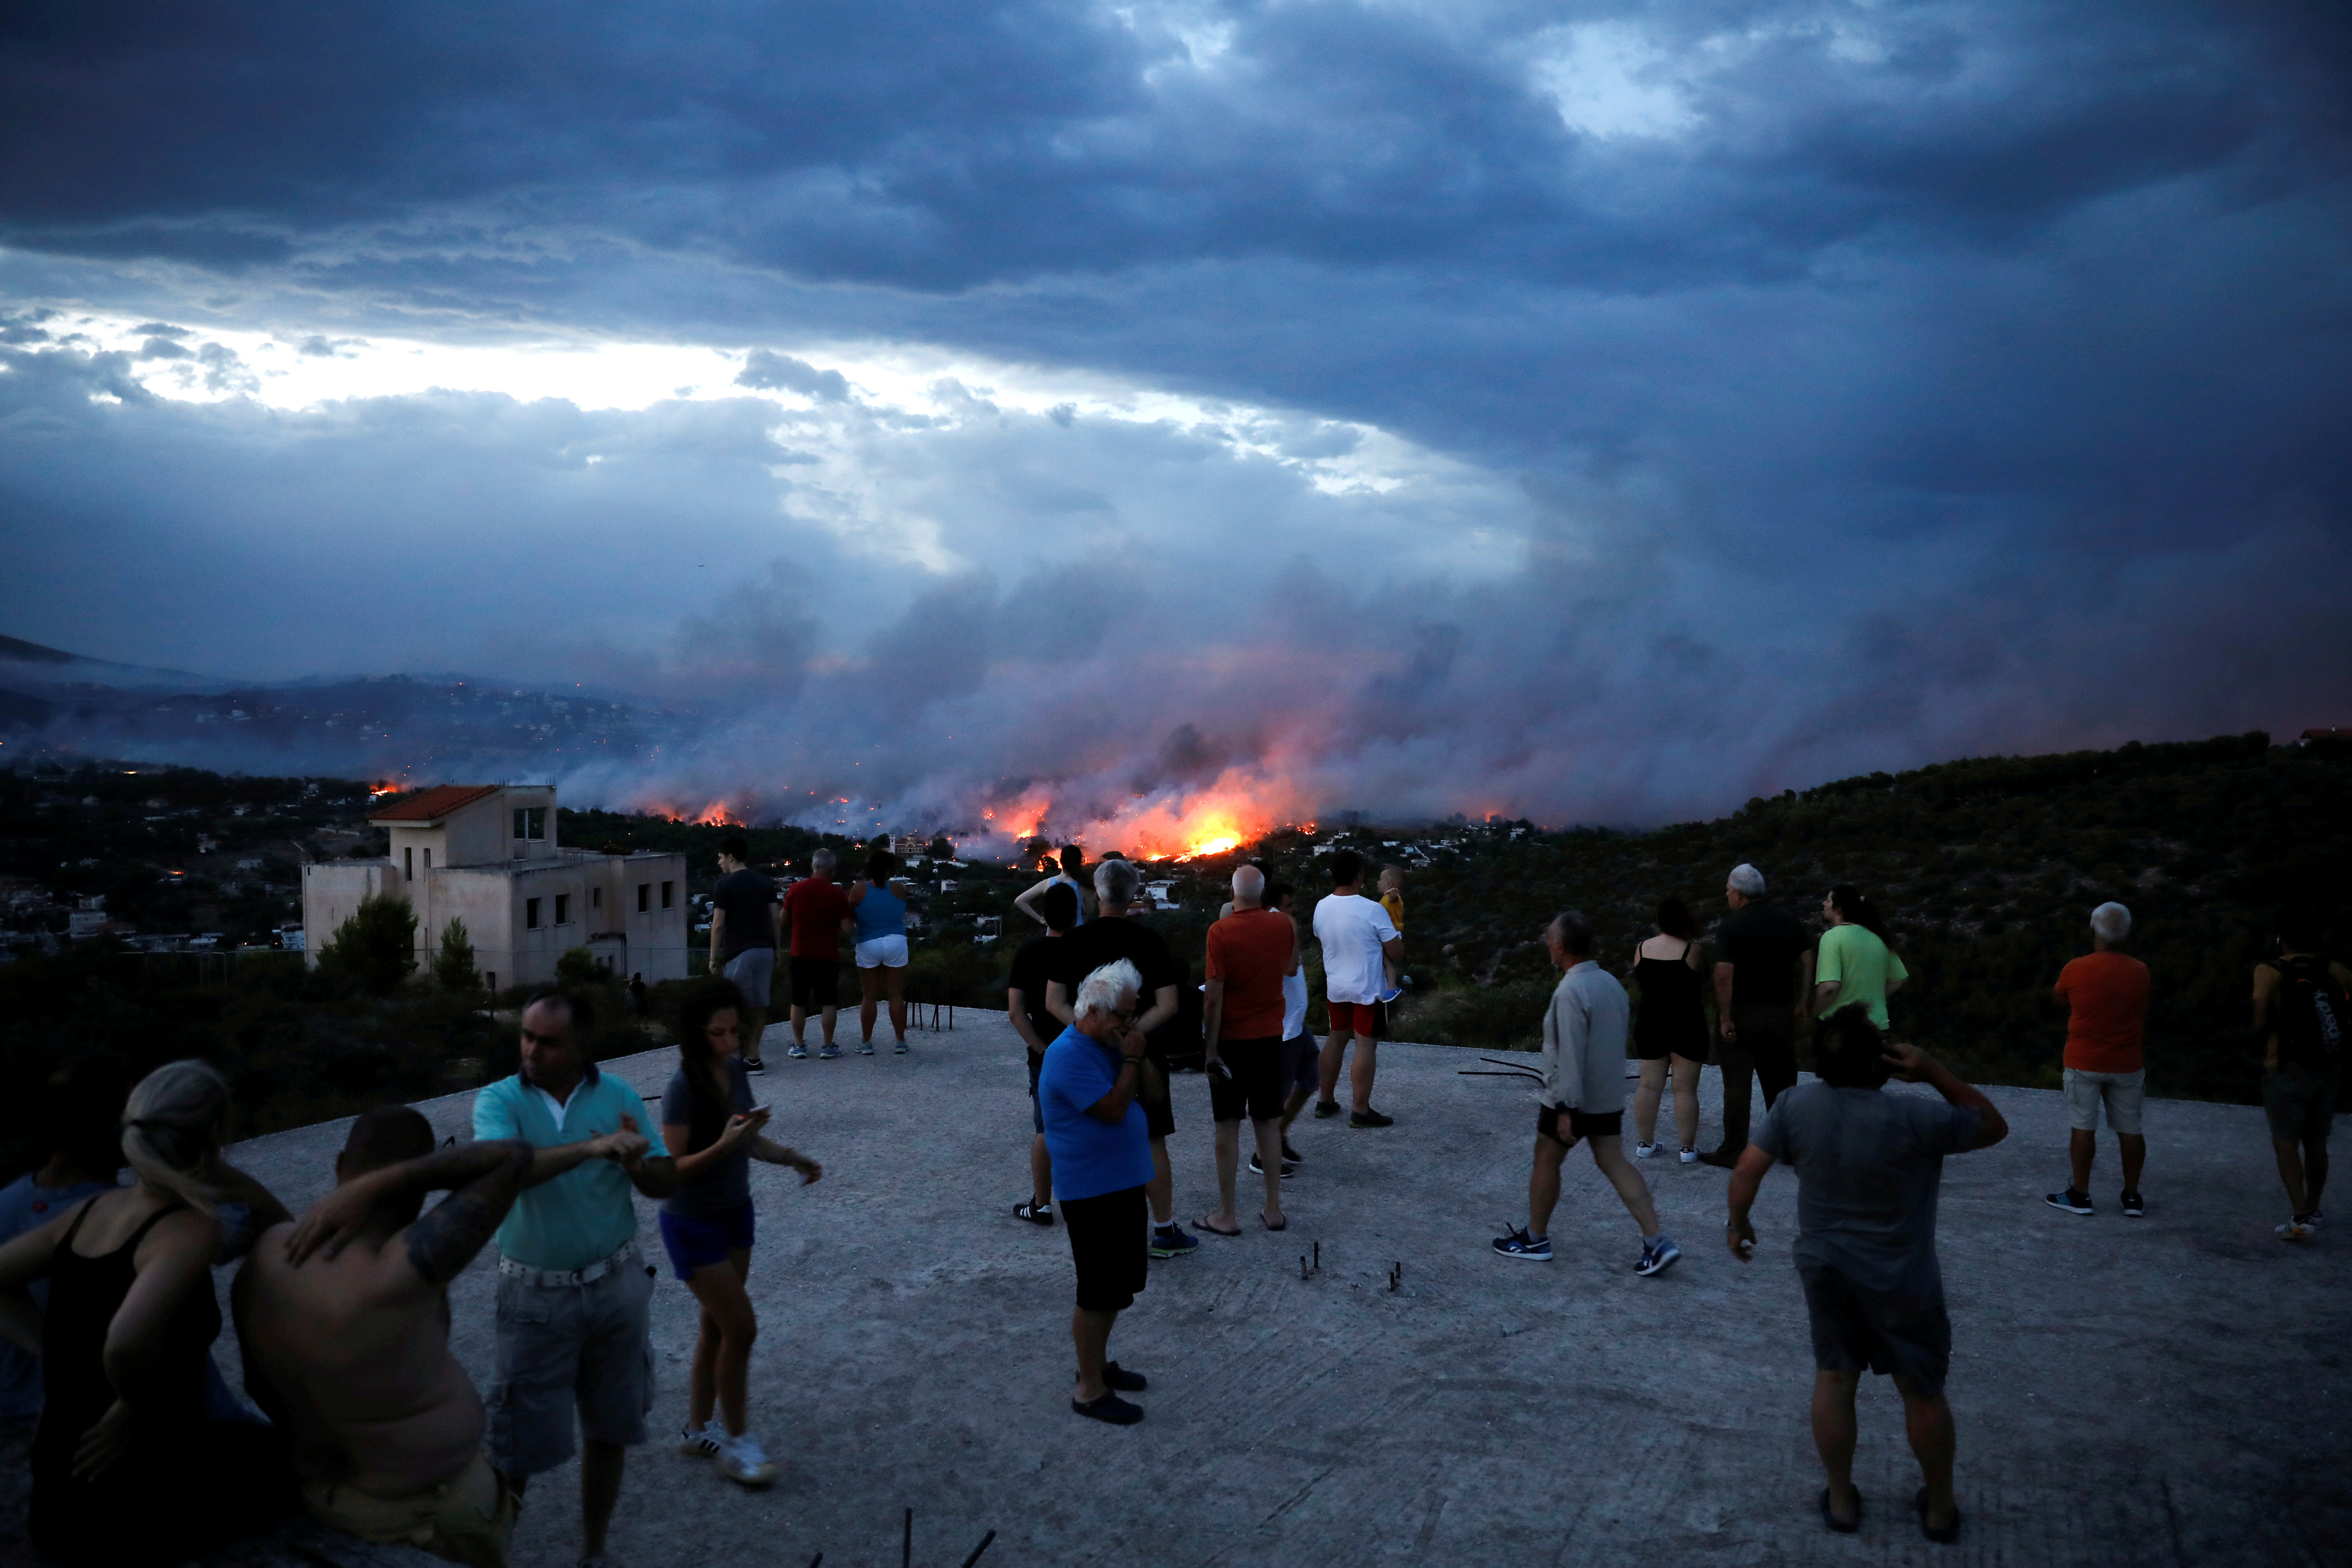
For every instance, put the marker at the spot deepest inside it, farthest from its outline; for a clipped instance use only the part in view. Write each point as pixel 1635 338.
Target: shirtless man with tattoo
pixel 344 1318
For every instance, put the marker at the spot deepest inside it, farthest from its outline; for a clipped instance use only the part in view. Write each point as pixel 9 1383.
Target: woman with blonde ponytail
pixel 127 1470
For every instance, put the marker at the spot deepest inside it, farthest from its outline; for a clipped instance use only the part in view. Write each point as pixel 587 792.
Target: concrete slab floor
pixel 2170 1390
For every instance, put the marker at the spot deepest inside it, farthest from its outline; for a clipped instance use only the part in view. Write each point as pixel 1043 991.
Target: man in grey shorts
pixel 743 939
pixel 573 1288
pixel 1869 1166
pixel 2105 993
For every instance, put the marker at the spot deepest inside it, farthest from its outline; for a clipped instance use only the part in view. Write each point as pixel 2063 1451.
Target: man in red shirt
pixel 2105 993
pixel 1250 950
pixel 816 909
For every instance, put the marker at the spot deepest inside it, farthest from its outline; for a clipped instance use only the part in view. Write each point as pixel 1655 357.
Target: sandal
pixel 1945 1535
pixel 1271 1226
pixel 1212 1230
pixel 1843 1526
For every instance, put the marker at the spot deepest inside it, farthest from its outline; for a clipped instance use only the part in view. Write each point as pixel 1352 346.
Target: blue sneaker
pixel 798 1053
pixel 1519 1244
pixel 829 1054
pixel 1172 1241
pixel 1659 1259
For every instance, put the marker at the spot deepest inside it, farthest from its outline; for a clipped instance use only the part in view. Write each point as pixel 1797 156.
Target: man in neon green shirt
pixel 1852 962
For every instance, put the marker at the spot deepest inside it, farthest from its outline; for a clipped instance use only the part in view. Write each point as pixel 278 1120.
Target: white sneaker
pixel 1690 1155
pixel 1643 1151
pixel 697 1442
pixel 745 1462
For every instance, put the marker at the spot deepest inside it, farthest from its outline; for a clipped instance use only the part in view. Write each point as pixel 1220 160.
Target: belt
pixel 561 1279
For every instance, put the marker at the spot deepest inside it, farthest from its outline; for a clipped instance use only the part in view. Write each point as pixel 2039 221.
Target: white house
pixel 487 854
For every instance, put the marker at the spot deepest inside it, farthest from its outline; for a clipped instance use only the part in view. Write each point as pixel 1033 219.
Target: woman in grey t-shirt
pixel 713 1128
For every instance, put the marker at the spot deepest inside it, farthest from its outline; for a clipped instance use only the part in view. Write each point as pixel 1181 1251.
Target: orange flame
pixel 1173 825
pixel 717 814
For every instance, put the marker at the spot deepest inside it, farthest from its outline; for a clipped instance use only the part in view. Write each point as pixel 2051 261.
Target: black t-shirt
pixel 1762 944
pixel 1032 968
pixel 746 898
pixel 1101 942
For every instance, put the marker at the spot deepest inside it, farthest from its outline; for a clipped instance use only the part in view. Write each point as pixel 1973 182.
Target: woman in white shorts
pixel 881 914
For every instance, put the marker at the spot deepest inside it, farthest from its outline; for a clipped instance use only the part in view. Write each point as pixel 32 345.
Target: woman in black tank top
pixel 135 1474
pixel 1669 1027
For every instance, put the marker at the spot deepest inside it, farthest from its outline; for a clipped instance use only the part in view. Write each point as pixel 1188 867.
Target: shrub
pixel 374 950
pixel 454 969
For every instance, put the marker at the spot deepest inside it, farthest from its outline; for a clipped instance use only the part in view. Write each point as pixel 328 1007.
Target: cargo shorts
pixel 588 1347
pixel 2123 1094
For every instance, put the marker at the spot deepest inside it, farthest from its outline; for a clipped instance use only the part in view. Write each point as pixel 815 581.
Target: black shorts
pixel 816 983
pixel 1159 1120
pixel 1110 1242
pixel 1608 1124
pixel 1256 1087
pixel 1036 1106
pixel 1854 1328
pixel 1302 1062
pixel 1689 1044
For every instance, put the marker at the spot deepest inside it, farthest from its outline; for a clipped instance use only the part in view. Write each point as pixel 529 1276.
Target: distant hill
pixel 1987 870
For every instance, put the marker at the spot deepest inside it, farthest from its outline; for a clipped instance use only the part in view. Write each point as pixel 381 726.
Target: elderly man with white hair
pixel 1250 951
pixel 1763 977
pixel 1096 1133
pixel 1112 935
pixel 2105 993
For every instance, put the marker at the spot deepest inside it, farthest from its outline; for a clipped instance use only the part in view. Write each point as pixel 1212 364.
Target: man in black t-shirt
pixel 1105 939
pixel 743 939
pixel 1763 975
pixel 1024 1003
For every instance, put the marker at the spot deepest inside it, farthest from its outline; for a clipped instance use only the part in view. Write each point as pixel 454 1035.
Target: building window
pixel 530 822
pixel 665 893
pixel 563 908
pixel 531 914
pixel 407 865
pixel 644 892
pixel 595 898
pixel 491 981
pixel 428 857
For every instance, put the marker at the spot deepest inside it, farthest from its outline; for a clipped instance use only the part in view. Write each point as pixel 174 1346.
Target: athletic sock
pixel 1654 1240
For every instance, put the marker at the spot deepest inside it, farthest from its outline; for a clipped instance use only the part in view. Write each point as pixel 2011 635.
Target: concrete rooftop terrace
pixel 2171 1390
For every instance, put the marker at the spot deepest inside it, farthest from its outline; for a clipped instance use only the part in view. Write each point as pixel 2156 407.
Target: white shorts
pixel 882 952
pixel 2123 1094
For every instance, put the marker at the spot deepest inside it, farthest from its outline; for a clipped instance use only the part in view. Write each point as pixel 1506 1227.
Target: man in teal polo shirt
pixel 573 1291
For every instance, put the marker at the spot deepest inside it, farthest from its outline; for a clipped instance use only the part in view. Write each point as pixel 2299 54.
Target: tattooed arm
pixel 481 1178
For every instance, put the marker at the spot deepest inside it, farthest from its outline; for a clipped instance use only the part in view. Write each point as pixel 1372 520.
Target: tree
pixel 454 969
pixel 376 948
pixel 578 966
pixel 941 850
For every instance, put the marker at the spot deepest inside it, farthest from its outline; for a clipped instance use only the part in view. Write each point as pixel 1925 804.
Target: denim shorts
pixel 698 1241
pixel 754 970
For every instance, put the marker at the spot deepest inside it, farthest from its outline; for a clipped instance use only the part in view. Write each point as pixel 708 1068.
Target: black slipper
pixel 1110 1407
pixel 1945 1536
pixel 1125 1381
pixel 1271 1226
pixel 1843 1526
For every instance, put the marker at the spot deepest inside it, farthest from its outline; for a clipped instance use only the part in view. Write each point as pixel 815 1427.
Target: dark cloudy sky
pixel 1594 412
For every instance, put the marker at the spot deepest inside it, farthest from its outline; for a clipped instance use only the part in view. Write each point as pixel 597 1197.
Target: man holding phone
pixel 1250 952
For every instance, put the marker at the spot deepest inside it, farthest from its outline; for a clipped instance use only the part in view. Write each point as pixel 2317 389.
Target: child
pixel 1392 900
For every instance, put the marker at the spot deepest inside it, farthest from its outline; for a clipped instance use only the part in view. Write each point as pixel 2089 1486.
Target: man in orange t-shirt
pixel 2105 993
pixel 1250 950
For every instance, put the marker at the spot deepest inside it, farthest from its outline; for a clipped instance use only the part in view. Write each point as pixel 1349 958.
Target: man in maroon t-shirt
pixel 1241 1016
pixel 816 909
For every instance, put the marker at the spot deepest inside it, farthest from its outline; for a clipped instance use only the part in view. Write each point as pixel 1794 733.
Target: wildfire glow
pixel 1172 824
pixel 715 815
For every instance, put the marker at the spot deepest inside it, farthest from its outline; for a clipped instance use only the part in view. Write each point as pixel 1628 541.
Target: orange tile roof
pixel 433 805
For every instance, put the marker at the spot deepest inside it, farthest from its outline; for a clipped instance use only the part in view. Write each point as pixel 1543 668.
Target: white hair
pixel 1115 884
pixel 2111 922
pixel 170 1131
pixel 1101 990
pixel 1249 882
pixel 822 860
pixel 1746 880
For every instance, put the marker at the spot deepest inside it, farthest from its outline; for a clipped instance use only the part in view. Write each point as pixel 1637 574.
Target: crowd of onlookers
pixel 360 1416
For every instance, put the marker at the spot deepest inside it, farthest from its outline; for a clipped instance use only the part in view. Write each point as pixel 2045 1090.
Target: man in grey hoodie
pixel 1584 1085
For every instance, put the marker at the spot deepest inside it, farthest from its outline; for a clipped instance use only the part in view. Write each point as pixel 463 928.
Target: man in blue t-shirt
pixel 1101 1152
pixel 573 1291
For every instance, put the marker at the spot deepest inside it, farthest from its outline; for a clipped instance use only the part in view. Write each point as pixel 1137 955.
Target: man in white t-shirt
pixel 1358 939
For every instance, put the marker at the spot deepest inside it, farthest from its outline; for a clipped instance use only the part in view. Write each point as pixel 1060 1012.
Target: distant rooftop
pixel 433 804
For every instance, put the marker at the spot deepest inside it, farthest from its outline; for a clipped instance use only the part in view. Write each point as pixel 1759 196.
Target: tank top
pixel 1076 892
pixel 880 913
pixel 1671 1020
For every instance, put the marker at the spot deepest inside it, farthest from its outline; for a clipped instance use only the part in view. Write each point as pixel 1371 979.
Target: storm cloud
pixel 1593 412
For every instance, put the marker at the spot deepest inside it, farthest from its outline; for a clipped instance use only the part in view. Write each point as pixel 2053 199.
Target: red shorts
pixel 1370 1019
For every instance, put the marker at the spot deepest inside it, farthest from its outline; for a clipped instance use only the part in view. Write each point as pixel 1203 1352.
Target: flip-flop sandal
pixel 1945 1536
pixel 1271 1226
pixel 1843 1526
pixel 1212 1230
